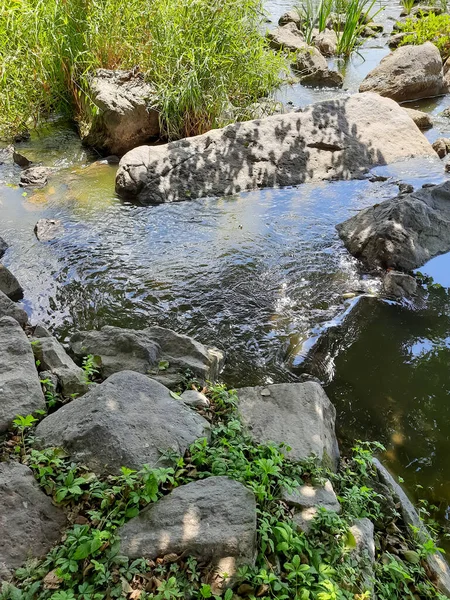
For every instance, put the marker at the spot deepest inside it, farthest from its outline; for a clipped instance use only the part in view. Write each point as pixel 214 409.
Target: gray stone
pixel 128 420
pixel 35 176
pixel 363 532
pixel 425 11
pixel 6 155
pixel 399 285
pixel 297 414
pixel 334 139
pixel 311 67
pixel 212 519
pixel 52 357
pixel 8 308
pixel 155 351
pixel 21 160
pixel 20 390
pixel 195 399
pixel 51 378
pixel 9 284
pixel 287 37
pixel 307 499
pixel 402 233
pixel 41 332
pixel 421 119
pixel 442 147
pixel 290 17
pixel 436 562
pixel 408 73
pixel 48 229
pixel 395 39
pixel 29 522
pixel 3 247
pixel 126 116
pixel 326 42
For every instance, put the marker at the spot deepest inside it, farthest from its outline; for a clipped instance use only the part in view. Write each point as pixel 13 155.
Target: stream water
pixel 261 275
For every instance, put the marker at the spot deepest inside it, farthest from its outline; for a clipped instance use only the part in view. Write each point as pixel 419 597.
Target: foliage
pixel 432 28
pixel 407 5
pixel 90 368
pixel 201 56
pixel 314 15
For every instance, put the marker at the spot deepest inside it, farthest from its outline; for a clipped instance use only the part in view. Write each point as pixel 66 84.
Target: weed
pixel 432 28
pixel 90 368
pixel 407 5
pixel 22 424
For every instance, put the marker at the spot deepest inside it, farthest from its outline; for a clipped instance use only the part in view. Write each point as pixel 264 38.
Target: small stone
pixel 21 160
pixel 405 188
pixel 35 177
pixel 399 285
pixel 41 332
pixel 307 499
pixel 48 229
pixel 290 17
pixel 442 146
pixel 421 119
pixel 8 308
pixel 9 284
pixel 195 399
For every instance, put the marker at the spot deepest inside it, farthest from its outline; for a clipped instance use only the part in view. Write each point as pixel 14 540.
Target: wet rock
pixel 363 532
pixel 21 160
pixel 126 116
pixel 436 562
pixel 421 119
pixel 297 414
pixel 195 399
pixel 326 42
pixel 213 519
pixel 9 284
pixel 20 390
pixel 48 229
pixel 128 420
pixel 287 37
pixel 334 139
pixel 307 499
pixel 8 308
pixel 401 233
pixel 35 177
pixel 442 147
pixel 29 522
pixel 399 285
pixel 368 32
pixel 311 67
pixel 6 155
pixel 375 27
pixel 408 73
pixel 395 39
pixel 290 17
pixel 155 351
pixel 52 357
pixel 3 247
pixel 405 188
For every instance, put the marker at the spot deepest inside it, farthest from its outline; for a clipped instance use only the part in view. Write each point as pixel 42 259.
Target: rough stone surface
pixel 396 38
pixel 213 519
pixel 335 139
pixel 290 17
pixel 35 176
pixel 363 532
pixel 126 118
pixel 399 285
pixel 8 308
pixel 408 73
pixel 421 119
pixel 20 390
pixel 195 399
pixel 287 37
pixel 307 499
pixel 41 332
pixel 297 414
pixel 424 11
pixel 311 67
pixel 155 351
pixel 21 160
pixel 401 233
pixel 3 247
pixel 29 522
pixel 442 147
pixel 326 42
pixel 48 229
pixel 9 284
pixel 436 562
pixel 125 421
pixel 54 358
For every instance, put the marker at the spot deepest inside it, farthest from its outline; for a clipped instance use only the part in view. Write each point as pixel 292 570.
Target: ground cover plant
pixel 87 565
pixel 432 28
pixel 202 56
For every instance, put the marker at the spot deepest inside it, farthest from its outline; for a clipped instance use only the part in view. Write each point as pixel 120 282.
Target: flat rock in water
pixel 20 389
pixel 334 139
pixel 408 73
pixel 9 284
pixel 127 421
pixel 213 519
pixel 161 353
pixel 297 414
pixel 29 523
pixel 48 229
pixel 35 176
pixel 402 233
pixel 8 308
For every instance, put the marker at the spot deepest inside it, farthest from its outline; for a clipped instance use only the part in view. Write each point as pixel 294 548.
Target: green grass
pixel 202 56
pixel 433 28
pixel 407 5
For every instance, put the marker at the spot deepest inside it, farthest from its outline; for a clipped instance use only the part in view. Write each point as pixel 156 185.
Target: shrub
pixel 432 28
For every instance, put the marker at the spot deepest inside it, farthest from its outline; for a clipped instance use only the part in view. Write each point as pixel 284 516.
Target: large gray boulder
pixel 408 73
pixel 334 139
pixel 402 233
pixel 127 421
pixel 52 357
pixel 155 351
pixel 297 414
pixel 126 117
pixel 212 519
pixel 8 308
pixel 9 284
pixel 20 389
pixel 29 523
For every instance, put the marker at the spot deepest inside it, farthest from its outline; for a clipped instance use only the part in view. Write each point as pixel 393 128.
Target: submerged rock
pixel 297 414
pixel 212 519
pixel 35 176
pixel 401 233
pixel 9 284
pixel 155 351
pixel 48 229
pixel 127 421
pixel 408 73
pixel 421 119
pixel 335 139
pixel 8 308
pixel 126 117
pixel 20 389
pixel 29 522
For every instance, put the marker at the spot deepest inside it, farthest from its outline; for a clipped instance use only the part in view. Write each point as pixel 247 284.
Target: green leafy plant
pixel 90 367
pixel 351 24
pixel 407 5
pixel 432 28
pixel 22 424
